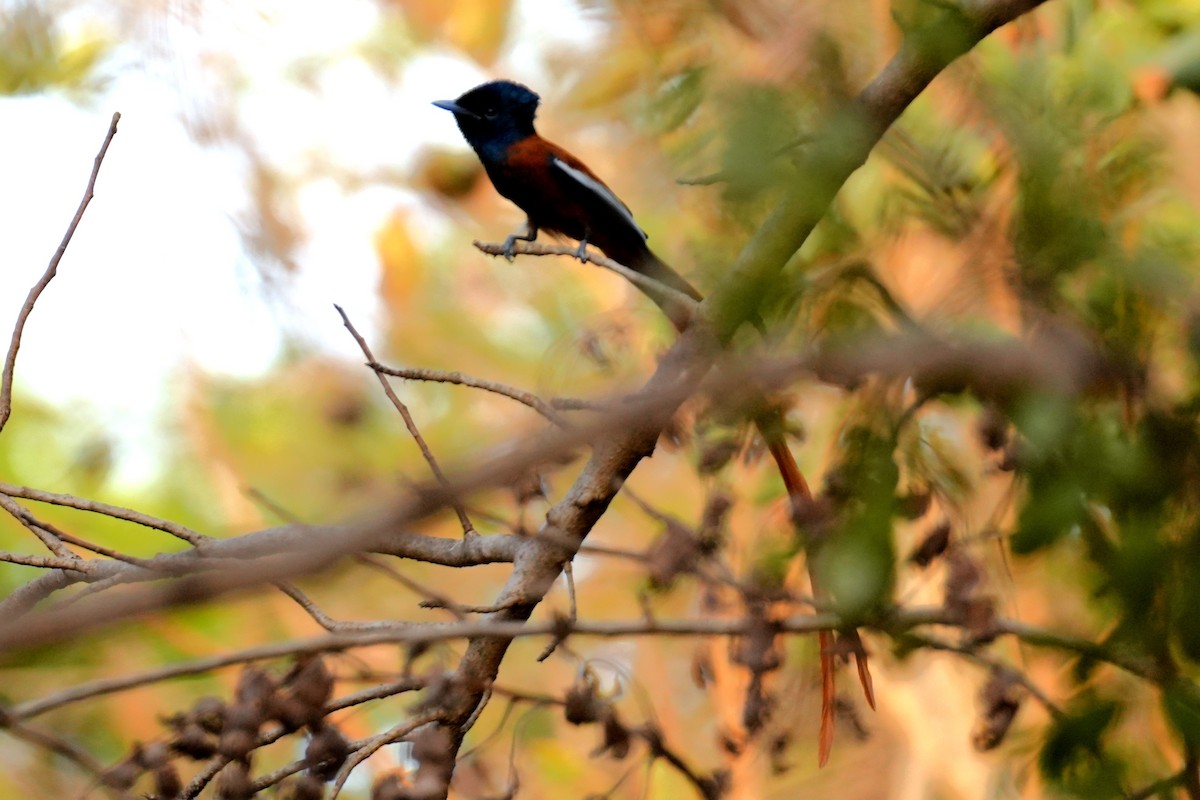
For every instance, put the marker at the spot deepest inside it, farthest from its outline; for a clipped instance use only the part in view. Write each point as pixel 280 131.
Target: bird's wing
pixel 574 169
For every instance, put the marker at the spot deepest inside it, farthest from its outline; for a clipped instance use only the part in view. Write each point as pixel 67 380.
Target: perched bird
pixel 557 192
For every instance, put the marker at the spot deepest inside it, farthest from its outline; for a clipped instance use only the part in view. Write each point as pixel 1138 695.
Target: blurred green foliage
pixel 36 57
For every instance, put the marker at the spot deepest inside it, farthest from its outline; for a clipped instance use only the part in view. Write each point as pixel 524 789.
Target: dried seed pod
pixel 717 785
pixel 847 713
pixel 194 742
pixel 965 599
pixel 778 748
pixel 711 533
pixel 439 687
pixel 732 743
pixel 150 755
pixel 122 776
pixel 616 740
pixel 432 749
pixel 312 684
pixel 237 743
pixel 914 504
pixel 529 486
pixel 209 713
pixel 993 428
pixel 675 551
pixel 932 545
pixel 716 454
pixel 167 784
pixel 243 718
pixel 326 752
pixel 583 704
pixel 758 705
pixel 254 687
pixel 981 620
pixel 812 517
pixel 291 712
pixel 758 649
pixel 1001 700
pixel 308 787
pixel 702 669
pixel 235 783
pixel 389 787
pixel 963 580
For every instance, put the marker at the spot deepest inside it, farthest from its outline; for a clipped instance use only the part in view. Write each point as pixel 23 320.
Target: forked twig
pixel 409 422
pixel 529 399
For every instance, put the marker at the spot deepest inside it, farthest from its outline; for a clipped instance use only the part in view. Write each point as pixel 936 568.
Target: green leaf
pixel 1181 704
pixel 1072 752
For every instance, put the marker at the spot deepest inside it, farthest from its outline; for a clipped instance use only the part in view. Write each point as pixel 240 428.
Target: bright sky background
pixel 155 283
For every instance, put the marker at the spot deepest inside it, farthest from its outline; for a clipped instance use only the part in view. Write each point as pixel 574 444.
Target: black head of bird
pixel 495 114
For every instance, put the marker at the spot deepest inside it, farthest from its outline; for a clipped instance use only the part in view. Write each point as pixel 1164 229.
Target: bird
pixel 558 193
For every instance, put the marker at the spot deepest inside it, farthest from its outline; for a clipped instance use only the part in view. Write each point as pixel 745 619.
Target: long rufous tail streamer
pixel 800 495
pixel 770 426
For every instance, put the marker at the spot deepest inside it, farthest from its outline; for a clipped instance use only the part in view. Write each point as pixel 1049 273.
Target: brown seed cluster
pixel 263 709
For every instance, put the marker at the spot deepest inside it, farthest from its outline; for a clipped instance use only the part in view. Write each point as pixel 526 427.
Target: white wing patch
pixel 599 189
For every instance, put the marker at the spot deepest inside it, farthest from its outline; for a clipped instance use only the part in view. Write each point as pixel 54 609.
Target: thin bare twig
pixel 10 361
pixel 438 600
pixel 52 543
pixel 578 404
pixel 492 609
pixel 706 786
pixel 303 600
pixel 572 611
pixel 116 512
pixel 107 686
pixel 58 746
pixel 327 622
pixel 204 777
pixel 546 409
pixel 647 284
pixel 225 565
pixel 87 566
pixel 258 496
pixel 293 592
pixel 365 748
pixel 897 621
pixel 500 726
pixel 408 684
pixel 410 423
pixel 983 659
pixel 45 562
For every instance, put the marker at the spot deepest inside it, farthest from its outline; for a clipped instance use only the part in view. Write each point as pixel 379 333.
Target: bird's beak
pixel 455 108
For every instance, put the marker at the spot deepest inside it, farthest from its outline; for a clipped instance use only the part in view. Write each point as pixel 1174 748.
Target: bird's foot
pixel 581 252
pixel 509 244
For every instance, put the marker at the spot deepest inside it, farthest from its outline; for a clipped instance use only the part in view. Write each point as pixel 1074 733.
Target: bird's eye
pixel 490 112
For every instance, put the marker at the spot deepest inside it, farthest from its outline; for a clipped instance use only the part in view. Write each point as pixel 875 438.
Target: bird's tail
pixel 652 266
pixel 771 427
pixel 643 261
